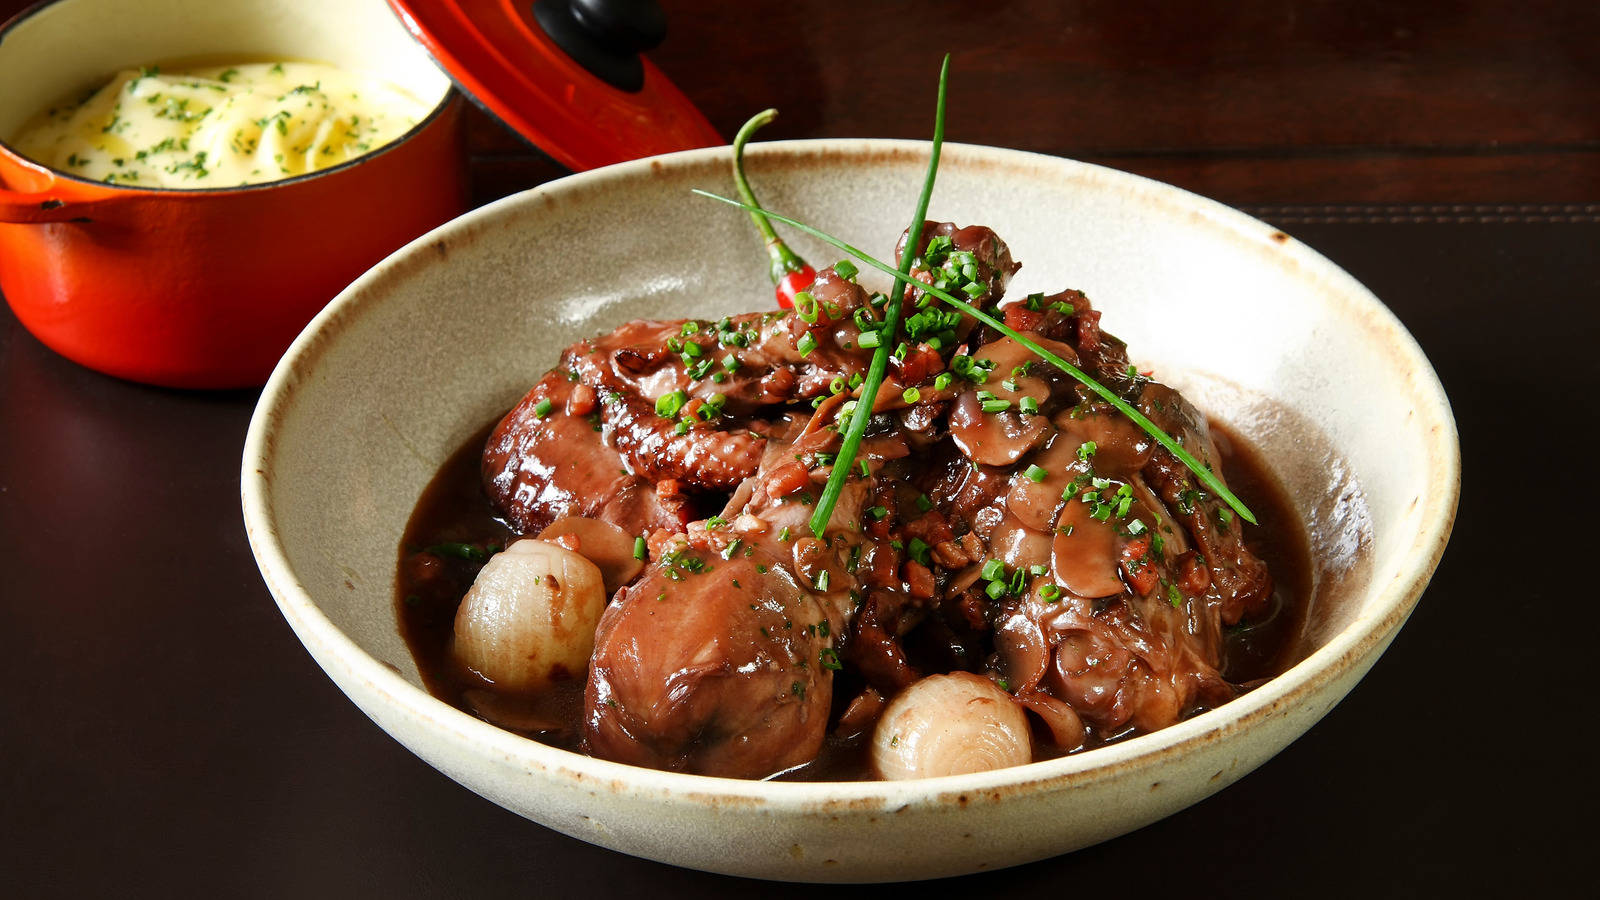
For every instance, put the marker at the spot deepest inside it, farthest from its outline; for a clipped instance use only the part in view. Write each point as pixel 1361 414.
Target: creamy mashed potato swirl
pixel 219 126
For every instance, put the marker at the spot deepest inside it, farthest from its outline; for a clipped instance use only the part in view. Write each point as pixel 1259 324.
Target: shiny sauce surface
pixel 453 529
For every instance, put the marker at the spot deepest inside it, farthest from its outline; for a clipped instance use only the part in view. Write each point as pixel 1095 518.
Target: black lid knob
pixel 627 26
pixel 605 36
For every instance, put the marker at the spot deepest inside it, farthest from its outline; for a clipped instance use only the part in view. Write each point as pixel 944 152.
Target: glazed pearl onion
pixel 950 725
pixel 530 616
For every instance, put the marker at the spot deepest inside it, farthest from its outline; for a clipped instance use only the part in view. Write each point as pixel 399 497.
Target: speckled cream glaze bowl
pixel 450 331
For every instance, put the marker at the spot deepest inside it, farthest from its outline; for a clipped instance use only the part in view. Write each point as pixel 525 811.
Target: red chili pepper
pixel 790 274
pixel 791 283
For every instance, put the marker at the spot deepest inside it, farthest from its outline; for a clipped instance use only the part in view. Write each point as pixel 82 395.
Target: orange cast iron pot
pixel 206 288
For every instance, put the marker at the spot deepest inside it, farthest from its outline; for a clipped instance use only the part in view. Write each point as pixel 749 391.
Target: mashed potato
pixel 219 126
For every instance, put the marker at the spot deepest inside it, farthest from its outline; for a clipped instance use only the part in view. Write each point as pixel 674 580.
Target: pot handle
pixel 19 208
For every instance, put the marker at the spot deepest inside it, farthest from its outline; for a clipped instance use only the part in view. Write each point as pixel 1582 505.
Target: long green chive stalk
pixel 845 461
pixel 1206 476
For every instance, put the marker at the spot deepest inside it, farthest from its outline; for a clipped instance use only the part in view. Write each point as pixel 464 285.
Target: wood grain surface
pixel 1251 101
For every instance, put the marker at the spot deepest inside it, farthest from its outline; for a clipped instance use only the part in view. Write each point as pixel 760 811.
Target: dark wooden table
pixel 163 734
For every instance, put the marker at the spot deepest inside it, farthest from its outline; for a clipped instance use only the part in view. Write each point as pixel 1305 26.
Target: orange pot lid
pixel 565 74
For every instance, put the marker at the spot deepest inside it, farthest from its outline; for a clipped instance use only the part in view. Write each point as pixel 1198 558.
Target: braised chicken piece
pixel 1000 522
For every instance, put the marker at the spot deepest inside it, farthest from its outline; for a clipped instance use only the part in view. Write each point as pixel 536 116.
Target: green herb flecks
pixel 1205 475
pixel 891 324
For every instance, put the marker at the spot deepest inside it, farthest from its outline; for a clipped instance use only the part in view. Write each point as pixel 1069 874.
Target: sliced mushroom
pixel 1024 650
pixel 1035 494
pixel 994 439
pixel 1066 729
pixel 602 543
pixel 1083 554
pixel 1017 545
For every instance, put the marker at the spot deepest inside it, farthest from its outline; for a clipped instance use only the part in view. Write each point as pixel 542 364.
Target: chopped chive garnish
pixel 891 323
pixel 878 512
pixel 1086 450
pixel 844 268
pixel 806 344
pixel 923 503
pixel 730 362
pixel 822 580
pixel 1036 473
pixel 543 407
pixel 994 406
pixel 1205 475
pixel 1028 406
pixel 911 395
pixel 869 340
pixel 806 307
pixel 638 548
pixel 1049 593
pixel 995 590
pixel 918 548
pixel 941 381
pixel 993 570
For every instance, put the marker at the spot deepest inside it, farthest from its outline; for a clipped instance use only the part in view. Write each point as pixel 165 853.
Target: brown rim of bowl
pixel 450 94
pixel 1395 597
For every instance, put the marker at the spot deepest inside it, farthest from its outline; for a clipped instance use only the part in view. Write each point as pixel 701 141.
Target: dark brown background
pixel 1247 101
pixel 163 734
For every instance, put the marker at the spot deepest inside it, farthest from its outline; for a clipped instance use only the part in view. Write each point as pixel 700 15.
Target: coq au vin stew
pixel 629 563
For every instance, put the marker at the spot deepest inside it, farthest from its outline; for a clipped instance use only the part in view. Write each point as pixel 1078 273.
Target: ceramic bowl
pixel 206 288
pixel 446 334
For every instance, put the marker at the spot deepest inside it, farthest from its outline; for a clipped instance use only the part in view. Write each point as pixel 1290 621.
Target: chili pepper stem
pixel 784 260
